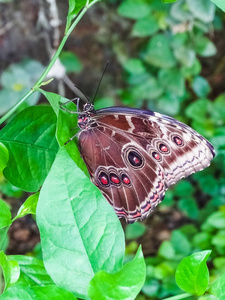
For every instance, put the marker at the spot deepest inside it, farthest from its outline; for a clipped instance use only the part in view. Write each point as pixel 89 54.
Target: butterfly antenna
pixel 75 89
pixel 100 81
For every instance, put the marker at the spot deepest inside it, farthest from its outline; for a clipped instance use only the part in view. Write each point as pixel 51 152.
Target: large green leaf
pixel 80 233
pixel 192 274
pixel 30 139
pixel 220 4
pixel 124 285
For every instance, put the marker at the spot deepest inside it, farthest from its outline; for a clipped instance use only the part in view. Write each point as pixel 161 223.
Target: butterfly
pixel 134 155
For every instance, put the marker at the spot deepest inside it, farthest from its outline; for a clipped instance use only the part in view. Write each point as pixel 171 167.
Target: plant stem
pixel 53 60
pixel 178 297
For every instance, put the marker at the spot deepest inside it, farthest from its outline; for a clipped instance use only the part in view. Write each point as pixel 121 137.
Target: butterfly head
pixel 85 116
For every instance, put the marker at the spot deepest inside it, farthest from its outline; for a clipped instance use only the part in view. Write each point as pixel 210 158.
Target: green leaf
pixel 192 274
pixel 134 9
pixel 218 287
pixel 4 156
pixel 204 10
pixel 159 53
pixel 134 66
pixel 135 230
pixel 71 62
pixel 172 81
pixel 199 109
pixel 28 207
pixel 66 126
pixel 189 207
pixel 218 112
pixel 166 250
pixel 220 4
pixel 32 271
pixel 50 292
pixel 168 104
pixel 145 26
pixel 216 220
pixel 30 139
pixel 5 214
pixel 200 86
pixel 124 285
pixel 204 46
pixel 11 270
pixel 180 243
pixel 168 1
pixel 79 230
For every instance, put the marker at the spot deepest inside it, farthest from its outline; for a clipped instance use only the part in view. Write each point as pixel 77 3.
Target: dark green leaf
pixel 134 9
pixel 168 1
pixel 166 250
pixel 189 207
pixel 126 284
pixel 218 288
pixel 199 109
pixel 145 26
pixel 135 230
pixel 80 231
pixel 172 81
pixel 200 86
pixel 204 46
pixel 192 274
pixel 11 270
pixel 4 156
pixel 134 66
pixel 71 62
pixel 159 53
pixel 180 243
pixel 168 104
pixel 32 271
pixel 202 240
pixel 50 292
pixel 30 139
pixel 28 207
pixel 5 214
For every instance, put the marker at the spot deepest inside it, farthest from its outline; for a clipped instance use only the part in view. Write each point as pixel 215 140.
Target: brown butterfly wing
pixel 133 158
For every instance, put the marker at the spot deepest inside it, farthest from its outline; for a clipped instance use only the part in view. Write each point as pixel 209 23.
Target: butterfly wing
pixel 133 156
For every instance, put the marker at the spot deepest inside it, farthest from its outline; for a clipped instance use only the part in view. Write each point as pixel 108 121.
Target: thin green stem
pixel 53 60
pixel 178 297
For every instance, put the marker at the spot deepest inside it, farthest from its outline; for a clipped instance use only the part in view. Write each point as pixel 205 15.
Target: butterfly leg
pixel 72 100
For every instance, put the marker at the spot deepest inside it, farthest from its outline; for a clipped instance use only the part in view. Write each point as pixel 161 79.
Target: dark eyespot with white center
pixel 135 159
pixel 156 156
pixel 163 148
pixel 178 140
pixel 126 180
pixel 103 178
pixel 114 179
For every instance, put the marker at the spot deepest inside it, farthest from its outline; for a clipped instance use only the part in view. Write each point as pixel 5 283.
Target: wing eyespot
pixel 156 156
pixel 178 140
pixel 134 159
pixel 103 179
pixel 163 148
pixel 114 179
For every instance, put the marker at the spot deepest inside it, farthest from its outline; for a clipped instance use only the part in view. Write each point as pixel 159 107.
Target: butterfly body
pixel 134 155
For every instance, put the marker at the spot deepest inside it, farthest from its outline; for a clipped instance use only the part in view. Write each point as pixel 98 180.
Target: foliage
pixel 82 241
